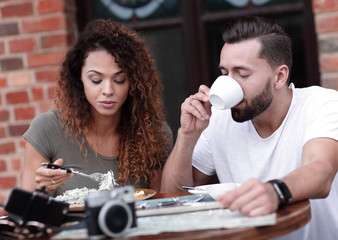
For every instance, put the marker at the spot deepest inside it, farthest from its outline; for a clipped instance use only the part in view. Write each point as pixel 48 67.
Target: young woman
pixel 108 116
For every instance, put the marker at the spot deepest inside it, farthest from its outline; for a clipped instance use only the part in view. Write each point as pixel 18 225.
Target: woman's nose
pixel 107 88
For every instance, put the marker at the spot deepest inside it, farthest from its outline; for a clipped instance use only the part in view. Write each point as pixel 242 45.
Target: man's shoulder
pixel 317 91
pixel 315 95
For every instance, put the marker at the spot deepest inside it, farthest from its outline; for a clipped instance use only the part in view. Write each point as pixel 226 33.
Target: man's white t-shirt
pixel 236 153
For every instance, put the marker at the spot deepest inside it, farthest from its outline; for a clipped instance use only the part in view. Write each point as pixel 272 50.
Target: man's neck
pixel 271 119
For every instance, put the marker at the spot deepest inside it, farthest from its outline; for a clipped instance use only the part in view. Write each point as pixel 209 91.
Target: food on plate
pixel 77 196
pixel 138 194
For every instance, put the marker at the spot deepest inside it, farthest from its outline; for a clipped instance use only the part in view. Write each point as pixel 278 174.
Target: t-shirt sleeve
pixel 43 132
pixel 323 120
pixel 202 157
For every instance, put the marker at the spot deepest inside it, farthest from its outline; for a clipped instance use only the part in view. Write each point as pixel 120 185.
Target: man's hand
pixel 196 111
pixel 252 198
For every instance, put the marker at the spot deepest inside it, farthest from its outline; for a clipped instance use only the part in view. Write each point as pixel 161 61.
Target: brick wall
pixel 326 21
pixel 34 35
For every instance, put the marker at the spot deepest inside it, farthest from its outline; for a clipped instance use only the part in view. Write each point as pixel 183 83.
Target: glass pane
pixel 219 5
pixel 167 48
pixel 135 10
pixel 292 25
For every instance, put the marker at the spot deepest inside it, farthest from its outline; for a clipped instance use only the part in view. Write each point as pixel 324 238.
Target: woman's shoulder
pixel 47 119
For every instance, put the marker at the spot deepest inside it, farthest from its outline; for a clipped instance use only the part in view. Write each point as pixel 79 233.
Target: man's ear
pixel 282 74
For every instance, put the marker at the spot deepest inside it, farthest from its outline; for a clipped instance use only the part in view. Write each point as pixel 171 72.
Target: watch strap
pixel 282 191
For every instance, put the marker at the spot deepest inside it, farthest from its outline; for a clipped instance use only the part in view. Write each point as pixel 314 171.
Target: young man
pixel 277 132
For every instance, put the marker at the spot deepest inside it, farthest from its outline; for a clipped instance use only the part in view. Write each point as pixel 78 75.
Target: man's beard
pixel 255 107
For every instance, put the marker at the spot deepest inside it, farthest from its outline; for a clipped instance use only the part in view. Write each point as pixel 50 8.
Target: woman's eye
pixel 120 80
pixel 95 80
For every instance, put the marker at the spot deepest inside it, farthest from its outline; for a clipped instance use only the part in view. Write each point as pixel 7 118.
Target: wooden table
pixel 289 218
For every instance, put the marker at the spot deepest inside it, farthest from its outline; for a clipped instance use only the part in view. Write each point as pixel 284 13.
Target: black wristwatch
pixel 282 191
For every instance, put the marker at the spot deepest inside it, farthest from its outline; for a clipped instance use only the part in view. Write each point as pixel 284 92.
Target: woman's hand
pixel 51 178
pixel 196 111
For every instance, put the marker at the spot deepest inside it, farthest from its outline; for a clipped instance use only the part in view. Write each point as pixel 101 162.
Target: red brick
pixel 44 24
pixel 18 130
pixel 24 113
pixel 3 82
pixel 327 23
pixel 9 64
pixel 4 115
pixel 51 92
pixel 8 182
pixel 3 166
pixel 6 148
pixel 8 29
pixel 58 40
pixel 324 5
pixel 46 75
pixel 328 63
pixel 22 45
pixel 17 10
pixel 37 93
pixel 16 164
pixel 45 59
pixel 45 106
pixel 2 132
pixel 17 97
pixel 49 6
pixel 2 47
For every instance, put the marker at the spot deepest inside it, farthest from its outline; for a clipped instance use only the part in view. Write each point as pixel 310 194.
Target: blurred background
pixel 184 37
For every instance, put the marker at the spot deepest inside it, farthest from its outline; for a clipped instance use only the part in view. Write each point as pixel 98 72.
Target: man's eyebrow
pixel 235 68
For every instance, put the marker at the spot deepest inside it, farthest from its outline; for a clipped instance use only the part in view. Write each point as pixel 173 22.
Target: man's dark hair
pixel 276 44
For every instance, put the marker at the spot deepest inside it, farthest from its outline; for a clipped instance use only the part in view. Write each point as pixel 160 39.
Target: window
pixel 185 37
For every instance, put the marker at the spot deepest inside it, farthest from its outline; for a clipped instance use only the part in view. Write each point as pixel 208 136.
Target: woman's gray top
pixel 45 134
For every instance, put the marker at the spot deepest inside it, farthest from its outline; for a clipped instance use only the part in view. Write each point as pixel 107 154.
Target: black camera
pixel 24 206
pixel 110 213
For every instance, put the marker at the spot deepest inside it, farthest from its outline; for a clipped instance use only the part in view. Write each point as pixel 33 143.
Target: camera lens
pixel 114 218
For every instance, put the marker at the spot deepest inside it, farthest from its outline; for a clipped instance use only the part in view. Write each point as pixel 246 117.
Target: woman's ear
pixel 282 75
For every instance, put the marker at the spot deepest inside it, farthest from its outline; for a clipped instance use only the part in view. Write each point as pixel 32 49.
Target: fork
pixel 177 201
pixel 98 177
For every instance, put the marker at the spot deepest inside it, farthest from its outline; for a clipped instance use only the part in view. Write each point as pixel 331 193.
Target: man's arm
pixel 319 167
pixel 312 180
pixel 178 170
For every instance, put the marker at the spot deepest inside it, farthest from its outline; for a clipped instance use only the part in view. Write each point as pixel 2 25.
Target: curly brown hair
pixel 143 141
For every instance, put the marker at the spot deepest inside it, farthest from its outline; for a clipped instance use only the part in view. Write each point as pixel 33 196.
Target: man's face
pixel 241 61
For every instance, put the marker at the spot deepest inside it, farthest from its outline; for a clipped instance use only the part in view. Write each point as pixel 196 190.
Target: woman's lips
pixel 107 104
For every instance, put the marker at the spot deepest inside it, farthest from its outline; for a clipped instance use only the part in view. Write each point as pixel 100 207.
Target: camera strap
pixel 71 222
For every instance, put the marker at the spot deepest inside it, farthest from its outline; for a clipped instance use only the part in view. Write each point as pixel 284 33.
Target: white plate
pixel 199 190
pixel 203 189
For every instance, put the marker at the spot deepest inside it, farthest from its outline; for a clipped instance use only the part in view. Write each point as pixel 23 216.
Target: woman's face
pixel 106 86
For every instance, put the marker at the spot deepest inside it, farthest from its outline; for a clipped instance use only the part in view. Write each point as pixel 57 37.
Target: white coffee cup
pixel 225 93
